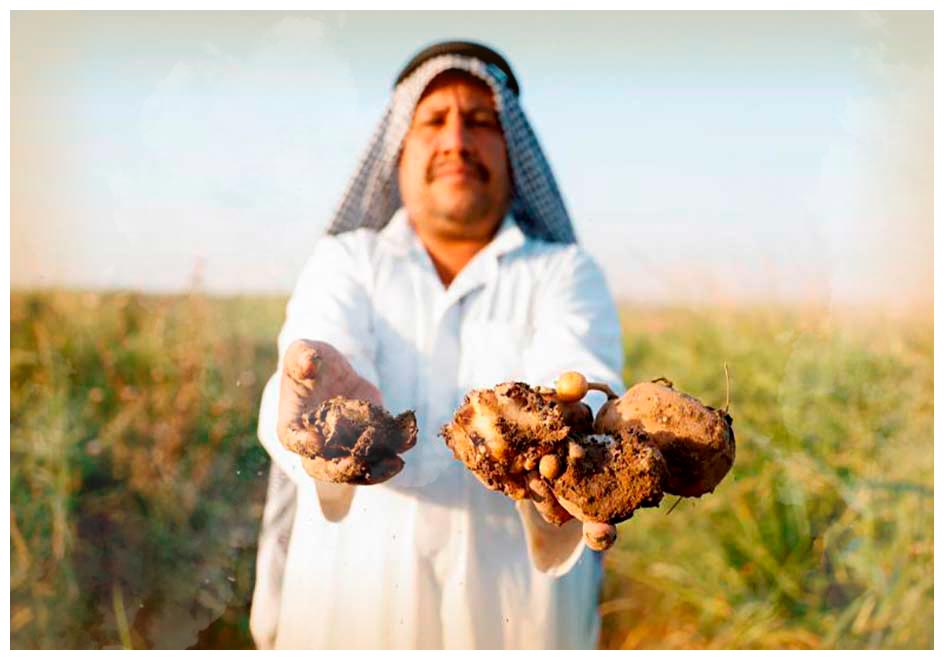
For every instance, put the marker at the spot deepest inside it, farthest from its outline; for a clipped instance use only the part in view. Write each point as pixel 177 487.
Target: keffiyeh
pixel 373 196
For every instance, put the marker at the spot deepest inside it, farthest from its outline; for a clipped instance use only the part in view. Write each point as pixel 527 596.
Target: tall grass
pixel 822 536
pixel 137 481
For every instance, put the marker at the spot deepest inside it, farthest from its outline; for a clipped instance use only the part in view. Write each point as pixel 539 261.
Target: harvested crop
pixel 696 440
pixel 524 442
pixel 571 386
pixel 355 442
pixel 502 434
pixel 609 477
pixel 536 442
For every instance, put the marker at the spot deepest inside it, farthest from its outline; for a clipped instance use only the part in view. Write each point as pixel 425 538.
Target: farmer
pixel 451 264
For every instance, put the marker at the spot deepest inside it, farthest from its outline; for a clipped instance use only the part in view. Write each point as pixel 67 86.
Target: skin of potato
pixel 696 441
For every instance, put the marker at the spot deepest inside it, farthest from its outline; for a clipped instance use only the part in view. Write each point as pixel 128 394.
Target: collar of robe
pixel 399 239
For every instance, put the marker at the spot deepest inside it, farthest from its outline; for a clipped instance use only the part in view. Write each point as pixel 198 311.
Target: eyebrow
pixel 436 110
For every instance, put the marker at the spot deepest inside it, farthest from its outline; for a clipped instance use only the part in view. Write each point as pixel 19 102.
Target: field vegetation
pixel 137 482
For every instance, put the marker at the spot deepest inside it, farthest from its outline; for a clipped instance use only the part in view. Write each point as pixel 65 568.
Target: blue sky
pixel 704 156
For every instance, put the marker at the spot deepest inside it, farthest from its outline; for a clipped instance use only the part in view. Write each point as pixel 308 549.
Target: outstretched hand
pixel 557 510
pixel 313 373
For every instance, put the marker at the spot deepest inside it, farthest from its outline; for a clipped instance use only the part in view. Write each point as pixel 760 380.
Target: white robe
pixel 431 558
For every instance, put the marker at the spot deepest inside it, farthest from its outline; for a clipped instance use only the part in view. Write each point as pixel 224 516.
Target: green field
pixel 137 481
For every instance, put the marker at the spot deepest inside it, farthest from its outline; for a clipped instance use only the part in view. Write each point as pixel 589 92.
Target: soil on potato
pixel 694 470
pixel 360 430
pixel 502 433
pixel 696 440
pixel 608 478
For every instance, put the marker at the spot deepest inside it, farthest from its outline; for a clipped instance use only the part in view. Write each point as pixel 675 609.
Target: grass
pixel 137 481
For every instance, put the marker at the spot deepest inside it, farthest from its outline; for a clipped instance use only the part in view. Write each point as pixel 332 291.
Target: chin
pixel 464 212
pixel 465 218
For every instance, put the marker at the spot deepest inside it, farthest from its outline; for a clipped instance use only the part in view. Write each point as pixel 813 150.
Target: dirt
pixel 609 477
pixel 650 441
pixel 357 442
pixel 501 435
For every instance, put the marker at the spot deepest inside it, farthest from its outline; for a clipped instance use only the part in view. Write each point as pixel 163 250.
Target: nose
pixel 454 136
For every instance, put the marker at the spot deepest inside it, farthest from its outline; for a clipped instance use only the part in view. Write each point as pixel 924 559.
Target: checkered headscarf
pixel 372 197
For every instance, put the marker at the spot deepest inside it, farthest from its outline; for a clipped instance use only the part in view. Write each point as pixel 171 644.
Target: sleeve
pixel 330 303
pixel 576 328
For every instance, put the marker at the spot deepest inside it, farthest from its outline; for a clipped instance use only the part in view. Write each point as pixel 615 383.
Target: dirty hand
pixel 314 372
pixel 516 439
pixel 556 510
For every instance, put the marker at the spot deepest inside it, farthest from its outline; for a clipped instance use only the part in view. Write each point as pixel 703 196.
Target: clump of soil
pixel 356 442
pixel 609 477
pixel 522 441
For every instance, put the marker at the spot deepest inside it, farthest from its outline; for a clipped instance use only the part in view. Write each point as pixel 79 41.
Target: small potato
pixel 550 466
pixel 571 386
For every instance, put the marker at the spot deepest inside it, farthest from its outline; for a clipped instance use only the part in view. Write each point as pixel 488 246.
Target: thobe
pixel 431 558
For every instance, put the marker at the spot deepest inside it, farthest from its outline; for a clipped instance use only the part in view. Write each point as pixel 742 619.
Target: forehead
pixel 453 86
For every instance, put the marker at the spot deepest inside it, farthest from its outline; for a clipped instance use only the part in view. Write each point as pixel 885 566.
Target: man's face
pixel 453 170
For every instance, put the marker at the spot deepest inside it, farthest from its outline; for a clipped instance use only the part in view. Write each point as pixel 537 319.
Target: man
pixel 450 265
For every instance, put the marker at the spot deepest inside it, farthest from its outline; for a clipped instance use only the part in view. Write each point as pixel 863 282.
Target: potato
pixel 526 443
pixel 697 441
pixel 531 442
pixel 501 435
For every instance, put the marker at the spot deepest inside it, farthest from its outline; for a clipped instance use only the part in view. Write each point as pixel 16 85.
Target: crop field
pixel 137 482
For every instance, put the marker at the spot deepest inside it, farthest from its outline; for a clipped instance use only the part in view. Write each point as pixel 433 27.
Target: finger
pixel 363 389
pixel 599 536
pixel 318 370
pixel 303 361
pixel 572 509
pixel 545 502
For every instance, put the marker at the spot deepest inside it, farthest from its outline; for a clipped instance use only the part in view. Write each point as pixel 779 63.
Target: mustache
pixel 478 169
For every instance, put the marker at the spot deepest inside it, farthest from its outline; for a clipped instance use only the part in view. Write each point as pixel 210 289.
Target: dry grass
pixel 137 480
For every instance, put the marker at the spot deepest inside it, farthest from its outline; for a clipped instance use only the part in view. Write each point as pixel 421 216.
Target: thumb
pixel 317 370
pixel 303 361
pixel 599 536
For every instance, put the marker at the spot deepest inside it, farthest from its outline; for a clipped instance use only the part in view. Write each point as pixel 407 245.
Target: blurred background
pixel 756 186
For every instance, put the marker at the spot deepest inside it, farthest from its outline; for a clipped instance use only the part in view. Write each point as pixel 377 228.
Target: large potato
pixel 501 434
pixel 697 441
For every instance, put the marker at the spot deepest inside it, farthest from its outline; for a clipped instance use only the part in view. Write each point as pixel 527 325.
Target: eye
pixel 483 121
pixel 433 120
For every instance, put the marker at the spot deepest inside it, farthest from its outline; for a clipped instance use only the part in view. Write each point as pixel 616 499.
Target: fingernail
pixel 308 365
